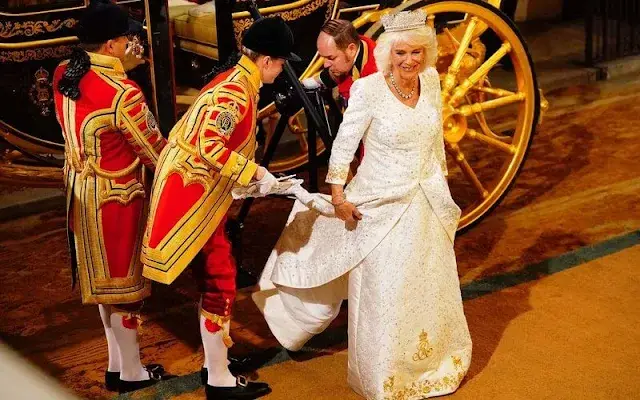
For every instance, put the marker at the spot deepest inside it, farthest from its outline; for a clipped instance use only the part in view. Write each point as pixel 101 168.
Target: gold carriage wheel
pixel 474 107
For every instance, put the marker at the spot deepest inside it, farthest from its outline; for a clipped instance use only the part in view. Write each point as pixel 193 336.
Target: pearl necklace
pixel 395 86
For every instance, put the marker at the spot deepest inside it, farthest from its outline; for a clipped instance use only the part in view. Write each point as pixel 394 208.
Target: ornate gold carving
pixel 240 25
pixel 330 9
pixel 296 13
pixel 33 28
pixel 35 54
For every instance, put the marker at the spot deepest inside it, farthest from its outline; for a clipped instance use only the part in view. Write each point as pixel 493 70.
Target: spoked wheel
pixel 490 106
pixel 292 152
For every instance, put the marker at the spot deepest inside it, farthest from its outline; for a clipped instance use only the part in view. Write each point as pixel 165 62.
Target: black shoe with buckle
pixel 111 381
pixel 156 374
pixel 204 376
pixel 242 390
pixel 236 366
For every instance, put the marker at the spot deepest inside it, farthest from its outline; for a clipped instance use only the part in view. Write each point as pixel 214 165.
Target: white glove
pixel 287 187
pixel 317 201
pixel 311 83
pixel 266 183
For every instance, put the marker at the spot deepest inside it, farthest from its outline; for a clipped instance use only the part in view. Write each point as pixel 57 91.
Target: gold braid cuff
pixel 223 323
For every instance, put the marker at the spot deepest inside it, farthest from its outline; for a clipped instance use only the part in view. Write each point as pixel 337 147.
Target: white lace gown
pixel 408 336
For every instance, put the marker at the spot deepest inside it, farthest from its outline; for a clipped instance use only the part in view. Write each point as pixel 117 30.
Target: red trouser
pixel 215 273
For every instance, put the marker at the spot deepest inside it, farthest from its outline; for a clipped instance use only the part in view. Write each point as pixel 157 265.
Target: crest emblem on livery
pixel 225 123
pixel 152 124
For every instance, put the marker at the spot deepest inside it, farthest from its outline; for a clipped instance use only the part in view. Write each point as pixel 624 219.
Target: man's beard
pixel 339 76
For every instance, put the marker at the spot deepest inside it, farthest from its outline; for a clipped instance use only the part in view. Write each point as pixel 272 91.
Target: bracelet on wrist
pixel 339 203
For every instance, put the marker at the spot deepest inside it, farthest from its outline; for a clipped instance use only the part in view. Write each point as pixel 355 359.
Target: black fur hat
pixel 103 21
pixel 270 36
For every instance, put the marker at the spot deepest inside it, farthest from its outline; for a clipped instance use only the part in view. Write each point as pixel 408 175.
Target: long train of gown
pixel 408 336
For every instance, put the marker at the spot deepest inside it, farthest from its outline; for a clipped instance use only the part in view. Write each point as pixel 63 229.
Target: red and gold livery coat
pixel 363 65
pixel 110 136
pixel 211 149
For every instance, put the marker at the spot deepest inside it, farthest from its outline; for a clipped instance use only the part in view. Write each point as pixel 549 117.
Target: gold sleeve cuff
pixel 337 175
pixel 249 171
pixel 239 169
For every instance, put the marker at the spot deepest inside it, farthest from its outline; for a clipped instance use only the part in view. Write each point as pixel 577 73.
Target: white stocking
pixel 127 338
pixel 204 364
pixel 112 345
pixel 216 355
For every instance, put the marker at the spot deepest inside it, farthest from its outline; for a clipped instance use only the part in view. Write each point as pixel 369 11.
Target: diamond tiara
pixel 404 20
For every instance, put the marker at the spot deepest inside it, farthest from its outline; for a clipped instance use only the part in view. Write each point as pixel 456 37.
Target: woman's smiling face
pixel 406 60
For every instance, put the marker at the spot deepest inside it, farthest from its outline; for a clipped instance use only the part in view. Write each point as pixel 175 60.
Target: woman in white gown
pixel 386 242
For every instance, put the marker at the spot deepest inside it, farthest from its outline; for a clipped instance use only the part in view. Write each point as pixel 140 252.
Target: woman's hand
pixel 344 210
pixel 347 212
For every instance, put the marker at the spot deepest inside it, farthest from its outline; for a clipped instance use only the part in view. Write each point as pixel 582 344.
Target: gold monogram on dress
pixel 424 349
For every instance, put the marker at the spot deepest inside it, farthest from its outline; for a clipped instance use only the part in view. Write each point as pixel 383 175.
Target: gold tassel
pixel 226 339
pixel 140 330
pixel 221 322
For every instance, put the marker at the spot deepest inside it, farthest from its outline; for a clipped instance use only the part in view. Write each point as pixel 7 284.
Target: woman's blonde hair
pixel 423 36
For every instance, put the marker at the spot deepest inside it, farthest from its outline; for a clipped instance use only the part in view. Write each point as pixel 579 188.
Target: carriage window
pixel 29 6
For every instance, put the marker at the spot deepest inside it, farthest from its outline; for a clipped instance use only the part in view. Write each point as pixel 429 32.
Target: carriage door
pixel 159 73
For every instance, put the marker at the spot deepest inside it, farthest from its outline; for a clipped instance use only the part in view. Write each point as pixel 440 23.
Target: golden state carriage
pixel 491 100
